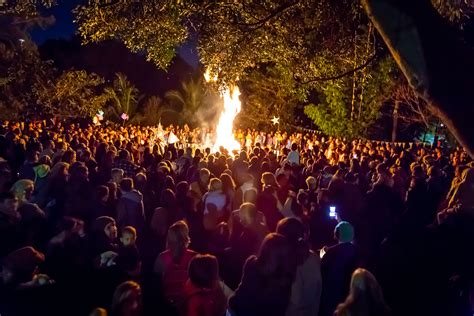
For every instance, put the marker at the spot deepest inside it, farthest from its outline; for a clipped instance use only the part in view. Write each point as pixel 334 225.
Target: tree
pixel 315 40
pixel 151 111
pixel 155 27
pixel 190 100
pixel 336 113
pixel 75 92
pixel 123 98
pixel 408 109
pixel 267 92
pixel 23 75
pixel 433 56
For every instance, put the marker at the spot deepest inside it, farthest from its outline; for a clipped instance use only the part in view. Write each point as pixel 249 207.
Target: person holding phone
pixel 337 266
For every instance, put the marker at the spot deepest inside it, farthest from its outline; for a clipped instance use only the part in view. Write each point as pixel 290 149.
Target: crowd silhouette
pixel 117 220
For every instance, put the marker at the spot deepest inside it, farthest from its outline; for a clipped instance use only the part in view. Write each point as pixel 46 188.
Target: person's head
pixel 105 225
pixel 140 180
pixel 250 195
pixel 294 146
pixel 204 176
pixel 296 234
pixel 126 185
pixel 23 190
pixel 268 179
pixel 102 193
pixel 182 188
pixel 60 169
pixel 344 232
pixel 204 271
pixel 117 175
pixel 69 156
pixel 247 214
pixel 79 172
pixel 365 296
pixel 127 299
pixel 71 226
pixel 215 185
pixel 311 183
pixel 129 236
pixel 32 156
pixel 8 203
pixel 124 155
pixel 273 261
pixel 168 199
pixel 20 265
pixel 227 182
pixel 178 239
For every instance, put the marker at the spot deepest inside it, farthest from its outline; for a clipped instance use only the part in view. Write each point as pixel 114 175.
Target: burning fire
pixel 232 106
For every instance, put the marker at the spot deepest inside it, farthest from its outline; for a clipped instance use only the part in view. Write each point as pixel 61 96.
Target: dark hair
pixel 294 146
pixel 101 191
pixel 124 154
pixel 126 184
pixel 168 199
pixel 204 271
pixel 296 234
pixel 273 263
pixel 182 188
pixel 7 196
pixel 227 183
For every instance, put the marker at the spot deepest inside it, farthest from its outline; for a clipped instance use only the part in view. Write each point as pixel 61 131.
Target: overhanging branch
pixel 279 10
pixel 339 76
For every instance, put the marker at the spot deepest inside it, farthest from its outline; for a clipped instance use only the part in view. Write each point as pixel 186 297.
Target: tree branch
pixel 279 10
pixel 339 76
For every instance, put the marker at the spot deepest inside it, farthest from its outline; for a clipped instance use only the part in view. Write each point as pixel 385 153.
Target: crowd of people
pixel 104 220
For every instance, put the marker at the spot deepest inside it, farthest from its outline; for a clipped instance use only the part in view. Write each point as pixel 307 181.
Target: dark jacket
pixel 337 266
pixel 130 211
pixel 257 295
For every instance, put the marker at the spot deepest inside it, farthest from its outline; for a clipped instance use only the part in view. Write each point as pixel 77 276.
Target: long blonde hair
pixel 365 297
pixel 177 240
pixel 20 187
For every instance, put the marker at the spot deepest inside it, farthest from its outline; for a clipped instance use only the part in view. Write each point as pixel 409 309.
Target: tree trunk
pixel 395 121
pixel 434 59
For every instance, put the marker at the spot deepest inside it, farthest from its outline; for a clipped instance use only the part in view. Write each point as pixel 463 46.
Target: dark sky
pixel 65 28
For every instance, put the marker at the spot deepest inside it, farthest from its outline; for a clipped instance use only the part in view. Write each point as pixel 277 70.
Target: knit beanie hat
pixel 23 260
pixel 344 232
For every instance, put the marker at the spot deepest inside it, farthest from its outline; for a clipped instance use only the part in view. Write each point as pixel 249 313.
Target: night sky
pixel 64 28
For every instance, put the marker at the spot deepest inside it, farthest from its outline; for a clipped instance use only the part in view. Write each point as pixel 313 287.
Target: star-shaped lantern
pixel 275 120
pixel 124 116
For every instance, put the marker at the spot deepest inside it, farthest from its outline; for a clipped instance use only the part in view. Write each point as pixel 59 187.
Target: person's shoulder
pixel 314 258
pixel 250 263
pixel 190 252
pixel 164 255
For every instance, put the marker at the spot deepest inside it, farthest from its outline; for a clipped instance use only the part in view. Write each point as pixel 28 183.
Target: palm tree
pixel 190 98
pixel 123 97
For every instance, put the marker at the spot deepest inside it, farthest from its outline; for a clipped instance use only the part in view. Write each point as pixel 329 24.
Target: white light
pixel 442 125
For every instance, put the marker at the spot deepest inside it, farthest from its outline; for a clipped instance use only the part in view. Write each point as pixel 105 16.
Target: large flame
pixel 232 106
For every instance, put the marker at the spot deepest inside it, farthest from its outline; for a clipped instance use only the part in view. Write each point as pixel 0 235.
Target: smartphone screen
pixel 332 212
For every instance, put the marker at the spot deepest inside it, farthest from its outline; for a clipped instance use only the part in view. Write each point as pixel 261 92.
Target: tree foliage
pixel 335 115
pixel 190 99
pixel 24 78
pixel 155 27
pixel 123 98
pixel 268 92
pixel 152 110
pixel 74 92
